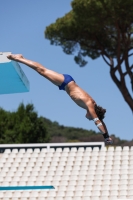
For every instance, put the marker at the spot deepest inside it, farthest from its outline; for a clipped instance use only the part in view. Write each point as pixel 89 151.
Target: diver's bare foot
pixel 15 57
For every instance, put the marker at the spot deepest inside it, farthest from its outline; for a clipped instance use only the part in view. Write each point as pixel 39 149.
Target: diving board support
pixel 12 77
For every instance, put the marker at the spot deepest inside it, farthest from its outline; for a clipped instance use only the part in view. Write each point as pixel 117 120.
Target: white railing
pixel 52 145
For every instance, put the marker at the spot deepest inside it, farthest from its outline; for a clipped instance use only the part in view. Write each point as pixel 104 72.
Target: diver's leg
pixel 52 76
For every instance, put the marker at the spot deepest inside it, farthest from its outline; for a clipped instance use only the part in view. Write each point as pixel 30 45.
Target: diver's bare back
pixel 78 95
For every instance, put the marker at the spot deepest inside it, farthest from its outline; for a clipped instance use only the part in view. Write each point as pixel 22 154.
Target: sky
pixel 22 32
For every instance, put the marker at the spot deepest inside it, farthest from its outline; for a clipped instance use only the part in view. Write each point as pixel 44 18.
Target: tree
pixel 22 126
pixel 97 28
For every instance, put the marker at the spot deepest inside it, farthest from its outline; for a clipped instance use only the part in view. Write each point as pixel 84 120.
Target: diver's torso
pixel 78 95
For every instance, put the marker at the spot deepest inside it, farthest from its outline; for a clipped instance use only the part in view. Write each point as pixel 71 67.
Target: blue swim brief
pixel 67 79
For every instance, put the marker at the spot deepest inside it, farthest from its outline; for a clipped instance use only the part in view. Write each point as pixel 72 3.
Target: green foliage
pixel 22 126
pixel 91 27
pixel 60 133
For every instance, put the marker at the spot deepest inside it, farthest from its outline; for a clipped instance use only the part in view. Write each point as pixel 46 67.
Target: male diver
pixel 78 95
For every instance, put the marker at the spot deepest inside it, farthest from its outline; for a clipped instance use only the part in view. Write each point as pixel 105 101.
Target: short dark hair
pixel 100 112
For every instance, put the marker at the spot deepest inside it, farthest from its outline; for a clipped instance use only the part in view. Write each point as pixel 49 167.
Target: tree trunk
pixel 121 84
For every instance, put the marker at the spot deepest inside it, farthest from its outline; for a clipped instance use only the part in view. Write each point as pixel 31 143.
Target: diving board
pixel 12 77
